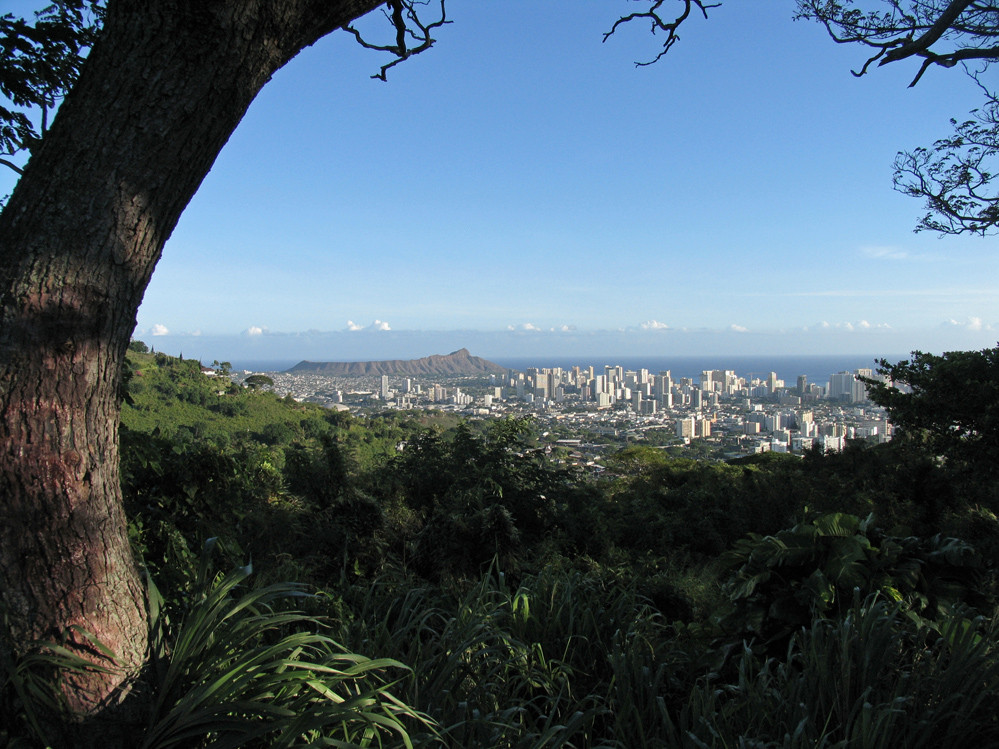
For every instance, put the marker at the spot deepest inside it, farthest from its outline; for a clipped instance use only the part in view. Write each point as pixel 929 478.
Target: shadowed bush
pixel 237 670
pixel 875 678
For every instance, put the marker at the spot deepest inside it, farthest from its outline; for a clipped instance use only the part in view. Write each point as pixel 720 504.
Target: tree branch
pixel 955 175
pixel 407 24
pixel 17 169
pixel 910 29
pixel 919 46
pixel 658 24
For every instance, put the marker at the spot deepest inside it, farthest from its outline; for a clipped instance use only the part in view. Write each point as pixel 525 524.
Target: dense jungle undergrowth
pixel 453 586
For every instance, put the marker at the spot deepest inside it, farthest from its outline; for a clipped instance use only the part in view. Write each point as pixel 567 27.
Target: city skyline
pixel 741 413
pixel 522 188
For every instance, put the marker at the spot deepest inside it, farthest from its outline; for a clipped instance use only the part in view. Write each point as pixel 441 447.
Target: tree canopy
pixel 951 400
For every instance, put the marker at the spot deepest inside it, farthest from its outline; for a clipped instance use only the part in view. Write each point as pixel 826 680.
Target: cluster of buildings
pixel 738 415
pixel 753 415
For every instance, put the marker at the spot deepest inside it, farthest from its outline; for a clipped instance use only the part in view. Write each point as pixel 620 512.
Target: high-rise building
pixel 859 394
pixel 685 427
pixel 541 387
pixel 841 385
pixel 662 383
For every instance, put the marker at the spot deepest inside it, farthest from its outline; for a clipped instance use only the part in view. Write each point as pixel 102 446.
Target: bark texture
pixel 159 96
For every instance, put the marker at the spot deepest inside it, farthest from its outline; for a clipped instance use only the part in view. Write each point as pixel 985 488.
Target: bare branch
pixel 406 23
pixel 659 24
pixel 16 168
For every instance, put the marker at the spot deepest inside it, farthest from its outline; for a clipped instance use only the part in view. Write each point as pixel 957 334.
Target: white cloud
pixel 254 330
pixel 972 323
pixel 885 253
pixel 376 325
pixel 158 329
pixel 529 326
pixel 654 325
pixel 739 329
pixel 851 327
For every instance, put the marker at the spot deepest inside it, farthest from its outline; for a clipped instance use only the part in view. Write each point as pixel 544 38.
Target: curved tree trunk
pixel 159 96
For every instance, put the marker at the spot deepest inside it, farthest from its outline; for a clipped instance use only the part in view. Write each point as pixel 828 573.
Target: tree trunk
pixel 158 97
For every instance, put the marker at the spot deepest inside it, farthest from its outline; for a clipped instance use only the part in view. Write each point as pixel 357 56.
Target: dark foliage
pixel 41 61
pixel 951 401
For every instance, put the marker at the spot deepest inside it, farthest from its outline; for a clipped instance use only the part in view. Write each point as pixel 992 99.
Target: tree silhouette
pixel 954 176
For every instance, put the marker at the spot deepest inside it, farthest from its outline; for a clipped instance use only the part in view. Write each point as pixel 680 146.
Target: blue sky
pixel 522 188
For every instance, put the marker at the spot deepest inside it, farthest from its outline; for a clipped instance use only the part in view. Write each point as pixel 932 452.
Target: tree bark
pixel 161 92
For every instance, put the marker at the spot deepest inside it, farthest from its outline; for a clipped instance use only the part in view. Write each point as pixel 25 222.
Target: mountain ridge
pixel 456 363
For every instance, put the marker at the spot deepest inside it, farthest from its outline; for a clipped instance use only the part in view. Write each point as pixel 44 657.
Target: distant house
pixel 208 371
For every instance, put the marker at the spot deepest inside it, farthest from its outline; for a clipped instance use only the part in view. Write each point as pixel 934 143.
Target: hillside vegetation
pixel 836 600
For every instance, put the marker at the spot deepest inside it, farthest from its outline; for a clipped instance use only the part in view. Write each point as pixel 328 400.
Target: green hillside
pixel 843 599
pixel 181 400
